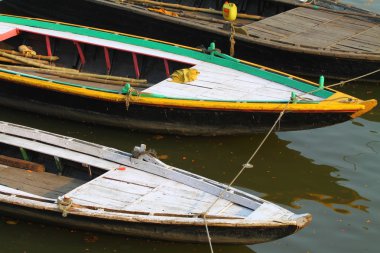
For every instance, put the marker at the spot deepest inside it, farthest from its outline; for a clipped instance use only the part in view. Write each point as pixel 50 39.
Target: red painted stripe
pixel 166 63
pixel 136 65
pixel 48 46
pixel 108 61
pixel 80 52
pixel 9 34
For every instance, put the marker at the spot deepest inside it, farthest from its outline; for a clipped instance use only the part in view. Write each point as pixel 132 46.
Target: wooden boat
pixel 86 76
pixel 62 180
pixel 329 38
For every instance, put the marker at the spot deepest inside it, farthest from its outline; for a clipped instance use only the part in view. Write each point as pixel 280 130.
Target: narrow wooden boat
pixel 109 78
pixel 62 180
pixel 324 37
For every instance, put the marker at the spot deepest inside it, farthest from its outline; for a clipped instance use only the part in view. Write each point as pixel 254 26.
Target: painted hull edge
pixel 181 128
pixel 180 233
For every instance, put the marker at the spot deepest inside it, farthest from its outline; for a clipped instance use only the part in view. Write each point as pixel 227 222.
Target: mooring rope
pixel 353 79
pixel 247 164
pixel 343 82
pixel 232 40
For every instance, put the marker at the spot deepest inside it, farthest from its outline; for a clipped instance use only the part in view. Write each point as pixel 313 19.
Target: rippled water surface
pixel 332 172
pixel 373 5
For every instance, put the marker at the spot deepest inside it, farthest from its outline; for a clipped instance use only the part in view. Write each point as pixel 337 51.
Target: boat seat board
pixel 303 27
pixel 43 184
pixel 57 151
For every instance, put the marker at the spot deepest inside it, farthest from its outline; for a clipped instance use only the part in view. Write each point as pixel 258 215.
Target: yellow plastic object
pixel 229 11
pixel 184 75
pixel 27 51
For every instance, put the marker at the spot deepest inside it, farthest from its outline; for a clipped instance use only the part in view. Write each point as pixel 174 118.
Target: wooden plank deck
pixel 325 31
pixel 223 84
pixel 39 183
pixel 136 191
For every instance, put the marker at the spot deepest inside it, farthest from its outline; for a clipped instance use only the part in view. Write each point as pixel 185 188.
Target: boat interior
pixel 39 164
pixel 90 65
pixel 125 189
pixel 112 66
pixel 41 174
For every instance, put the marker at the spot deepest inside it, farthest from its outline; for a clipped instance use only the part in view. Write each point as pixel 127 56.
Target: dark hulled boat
pixel 333 39
pixel 115 79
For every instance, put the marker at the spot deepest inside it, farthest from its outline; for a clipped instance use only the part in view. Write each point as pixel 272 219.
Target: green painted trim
pixel 24 154
pixel 152 95
pixel 304 87
pixel 60 82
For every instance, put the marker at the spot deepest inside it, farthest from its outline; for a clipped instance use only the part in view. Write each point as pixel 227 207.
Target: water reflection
pixel 348 153
pixel 70 240
pixel 373 5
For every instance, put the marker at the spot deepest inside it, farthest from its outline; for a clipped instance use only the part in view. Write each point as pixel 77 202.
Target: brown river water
pixel 332 173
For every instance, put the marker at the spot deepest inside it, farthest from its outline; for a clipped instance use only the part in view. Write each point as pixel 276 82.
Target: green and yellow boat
pixel 104 77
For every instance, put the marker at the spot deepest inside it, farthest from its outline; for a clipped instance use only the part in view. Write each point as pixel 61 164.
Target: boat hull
pixel 160 119
pixel 123 20
pixel 170 232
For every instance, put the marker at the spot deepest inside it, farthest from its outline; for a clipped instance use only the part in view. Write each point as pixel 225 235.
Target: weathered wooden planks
pixel 39 183
pixel 324 31
pixel 222 84
pixel 22 164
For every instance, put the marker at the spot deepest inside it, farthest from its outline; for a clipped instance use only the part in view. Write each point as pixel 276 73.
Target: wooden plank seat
pixel 43 184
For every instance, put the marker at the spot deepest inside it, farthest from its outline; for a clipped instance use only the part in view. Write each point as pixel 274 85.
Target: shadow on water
pixel 70 240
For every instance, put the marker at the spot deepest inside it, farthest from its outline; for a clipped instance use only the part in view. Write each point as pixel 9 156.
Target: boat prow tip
pixel 302 220
pixel 368 106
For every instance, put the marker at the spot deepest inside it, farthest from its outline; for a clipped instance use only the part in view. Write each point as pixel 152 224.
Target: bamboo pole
pixel 38 57
pixel 189 8
pixel 7 60
pixel 32 62
pixel 28 68
pixel 105 77
pixel 87 78
pixel 12 61
pixel 75 74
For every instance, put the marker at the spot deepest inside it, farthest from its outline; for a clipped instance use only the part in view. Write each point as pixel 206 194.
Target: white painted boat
pixel 70 182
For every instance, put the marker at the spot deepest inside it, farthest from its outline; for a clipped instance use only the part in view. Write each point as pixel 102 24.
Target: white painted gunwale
pixel 20 200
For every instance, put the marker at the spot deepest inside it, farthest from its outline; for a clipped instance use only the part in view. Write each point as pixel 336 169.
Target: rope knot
pixel 64 204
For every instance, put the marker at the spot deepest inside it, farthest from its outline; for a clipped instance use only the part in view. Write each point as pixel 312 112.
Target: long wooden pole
pixel 71 73
pixel 38 57
pixel 32 62
pixel 189 8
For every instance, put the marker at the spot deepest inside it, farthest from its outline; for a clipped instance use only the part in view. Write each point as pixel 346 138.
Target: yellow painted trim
pixel 100 95
pixel 336 103
pixel 236 106
pixel 369 105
